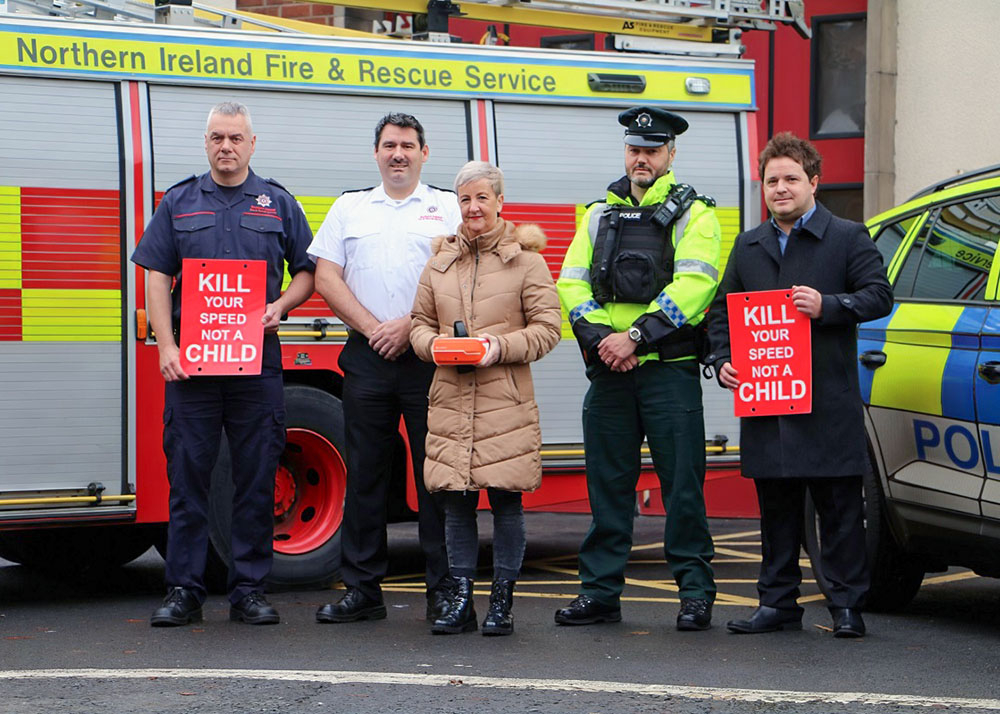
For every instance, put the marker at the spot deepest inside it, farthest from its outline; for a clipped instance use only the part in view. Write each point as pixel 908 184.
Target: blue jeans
pixel 461 532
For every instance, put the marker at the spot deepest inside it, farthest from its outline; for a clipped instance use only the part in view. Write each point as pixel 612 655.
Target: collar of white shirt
pixel 420 193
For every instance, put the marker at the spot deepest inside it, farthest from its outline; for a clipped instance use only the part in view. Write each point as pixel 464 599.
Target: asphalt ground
pixel 86 646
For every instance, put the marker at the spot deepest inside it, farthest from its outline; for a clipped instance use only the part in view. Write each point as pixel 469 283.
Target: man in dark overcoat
pixel 837 278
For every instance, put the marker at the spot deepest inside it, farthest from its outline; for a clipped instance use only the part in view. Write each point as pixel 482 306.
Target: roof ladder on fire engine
pixel 698 27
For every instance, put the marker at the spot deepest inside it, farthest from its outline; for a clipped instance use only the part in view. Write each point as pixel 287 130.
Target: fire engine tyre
pixel 895 575
pixel 80 551
pixel 309 493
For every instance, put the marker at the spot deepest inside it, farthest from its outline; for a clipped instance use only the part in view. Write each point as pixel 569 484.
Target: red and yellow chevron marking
pixel 60 265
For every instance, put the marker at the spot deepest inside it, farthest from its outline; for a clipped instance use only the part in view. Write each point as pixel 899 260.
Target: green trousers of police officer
pixel 660 401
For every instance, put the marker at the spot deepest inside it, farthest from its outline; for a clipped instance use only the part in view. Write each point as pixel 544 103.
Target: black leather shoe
pixel 767 619
pixel 585 610
pixel 695 614
pixel 254 609
pixel 180 607
pixel 847 622
pixel 438 600
pixel 354 606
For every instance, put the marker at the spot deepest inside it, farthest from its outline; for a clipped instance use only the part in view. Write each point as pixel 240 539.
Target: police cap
pixel 651 126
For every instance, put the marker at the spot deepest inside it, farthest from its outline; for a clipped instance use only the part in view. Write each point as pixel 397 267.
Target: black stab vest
pixel 641 259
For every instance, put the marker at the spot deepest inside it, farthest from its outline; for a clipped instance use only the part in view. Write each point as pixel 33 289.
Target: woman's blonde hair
pixel 476 170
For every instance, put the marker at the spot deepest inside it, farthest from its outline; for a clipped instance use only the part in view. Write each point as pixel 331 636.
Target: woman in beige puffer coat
pixel 482 425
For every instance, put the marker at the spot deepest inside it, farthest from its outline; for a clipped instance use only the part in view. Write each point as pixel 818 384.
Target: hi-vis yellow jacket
pixel 682 302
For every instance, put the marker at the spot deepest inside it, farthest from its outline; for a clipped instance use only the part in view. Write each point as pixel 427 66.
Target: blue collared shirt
pixel 782 236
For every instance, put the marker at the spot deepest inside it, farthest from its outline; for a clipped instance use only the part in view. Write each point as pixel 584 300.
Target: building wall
pixel 946 91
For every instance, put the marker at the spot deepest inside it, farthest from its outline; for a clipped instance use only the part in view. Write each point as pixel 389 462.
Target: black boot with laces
pixel 499 620
pixel 461 613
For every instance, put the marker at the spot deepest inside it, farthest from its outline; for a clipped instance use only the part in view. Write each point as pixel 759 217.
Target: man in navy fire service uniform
pixel 227 213
pixel 370 252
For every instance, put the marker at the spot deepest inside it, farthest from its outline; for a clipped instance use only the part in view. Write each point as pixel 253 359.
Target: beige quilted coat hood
pixel 482 426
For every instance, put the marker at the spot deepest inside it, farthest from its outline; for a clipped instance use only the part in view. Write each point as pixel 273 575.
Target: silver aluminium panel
pixel 60 377
pixel 314 144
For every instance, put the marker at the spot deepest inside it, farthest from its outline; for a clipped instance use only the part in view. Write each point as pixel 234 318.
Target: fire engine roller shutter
pixel 314 144
pixel 60 286
pixel 569 155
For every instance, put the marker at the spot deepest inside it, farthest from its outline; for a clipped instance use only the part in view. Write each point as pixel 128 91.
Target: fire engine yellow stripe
pixel 71 315
pixel 316 208
pixel 729 221
pixel 10 237
pixel 920 334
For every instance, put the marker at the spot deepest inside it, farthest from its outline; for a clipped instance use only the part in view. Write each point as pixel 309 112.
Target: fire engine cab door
pixel 61 257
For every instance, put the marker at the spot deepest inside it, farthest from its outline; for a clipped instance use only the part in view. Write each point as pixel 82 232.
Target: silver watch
pixel 635 335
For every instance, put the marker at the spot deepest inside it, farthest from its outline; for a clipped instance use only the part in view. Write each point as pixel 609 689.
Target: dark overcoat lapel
pixel 837 258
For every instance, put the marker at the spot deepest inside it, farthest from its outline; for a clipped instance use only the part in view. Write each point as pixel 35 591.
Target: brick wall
pixel 307 11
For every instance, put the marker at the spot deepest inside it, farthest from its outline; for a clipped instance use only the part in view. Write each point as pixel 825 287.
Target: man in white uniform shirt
pixel 369 254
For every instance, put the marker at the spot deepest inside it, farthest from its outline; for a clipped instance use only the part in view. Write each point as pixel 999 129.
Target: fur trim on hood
pixel 529 235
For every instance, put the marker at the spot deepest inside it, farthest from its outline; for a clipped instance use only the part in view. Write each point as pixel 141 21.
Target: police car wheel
pixel 309 493
pixel 895 575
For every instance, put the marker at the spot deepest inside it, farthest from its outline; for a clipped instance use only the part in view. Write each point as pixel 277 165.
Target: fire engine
pixel 101 117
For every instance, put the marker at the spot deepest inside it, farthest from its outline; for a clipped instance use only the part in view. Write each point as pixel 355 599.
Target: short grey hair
pixel 230 109
pixel 476 170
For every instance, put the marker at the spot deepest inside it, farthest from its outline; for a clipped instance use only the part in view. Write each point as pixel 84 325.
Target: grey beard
pixel 644 183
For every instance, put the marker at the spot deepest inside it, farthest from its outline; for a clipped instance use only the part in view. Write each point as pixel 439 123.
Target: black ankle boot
pixel 461 614
pixel 498 620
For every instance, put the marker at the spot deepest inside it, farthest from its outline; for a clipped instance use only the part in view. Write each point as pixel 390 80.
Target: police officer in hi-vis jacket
pixel 637 279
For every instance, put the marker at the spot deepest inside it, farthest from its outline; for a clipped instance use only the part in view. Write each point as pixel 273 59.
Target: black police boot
pixel 695 614
pixel 461 614
pixel 585 610
pixel 179 607
pixel 254 609
pixel 499 620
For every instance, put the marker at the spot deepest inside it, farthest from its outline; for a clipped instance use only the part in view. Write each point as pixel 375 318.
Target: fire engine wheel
pixel 77 551
pixel 895 575
pixel 308 493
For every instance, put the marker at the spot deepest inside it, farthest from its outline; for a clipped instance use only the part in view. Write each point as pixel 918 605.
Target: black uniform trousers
pixel 843 554
pixel 376 393
pixel 252 412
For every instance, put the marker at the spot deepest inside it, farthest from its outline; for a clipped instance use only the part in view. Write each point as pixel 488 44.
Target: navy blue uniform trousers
pixel 376 393
pixel 252 412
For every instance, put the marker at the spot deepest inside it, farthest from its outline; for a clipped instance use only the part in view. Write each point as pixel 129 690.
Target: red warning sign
pixel 771 352
pixel 222 303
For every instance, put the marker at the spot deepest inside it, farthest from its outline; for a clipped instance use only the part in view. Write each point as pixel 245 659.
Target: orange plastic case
pixel 459 350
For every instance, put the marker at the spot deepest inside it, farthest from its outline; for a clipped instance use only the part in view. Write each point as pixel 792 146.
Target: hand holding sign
pixel 772 351
pixel 223 316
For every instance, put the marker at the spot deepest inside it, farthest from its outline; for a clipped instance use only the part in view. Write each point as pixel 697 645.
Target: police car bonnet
pixel 650 126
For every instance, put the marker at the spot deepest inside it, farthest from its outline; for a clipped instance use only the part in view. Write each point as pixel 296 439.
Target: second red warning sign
pixel 771 352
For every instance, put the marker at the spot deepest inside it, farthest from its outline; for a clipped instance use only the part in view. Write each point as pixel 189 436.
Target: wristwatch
pixel 635 335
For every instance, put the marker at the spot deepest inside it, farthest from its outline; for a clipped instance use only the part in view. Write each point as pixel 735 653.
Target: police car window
pixel 903 286
pixel 888 239
pixel 959 252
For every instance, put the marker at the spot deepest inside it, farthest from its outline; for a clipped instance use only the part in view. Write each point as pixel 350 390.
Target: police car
pixel 930 379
